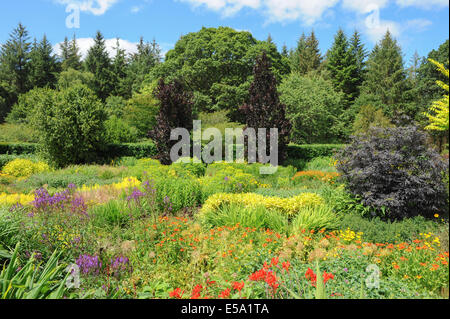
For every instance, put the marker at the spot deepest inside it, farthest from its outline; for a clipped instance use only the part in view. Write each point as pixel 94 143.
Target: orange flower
pixel 176 293
pixel 238 286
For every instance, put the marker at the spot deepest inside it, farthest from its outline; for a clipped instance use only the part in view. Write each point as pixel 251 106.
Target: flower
pixel 176 293
pixel 225 294
pixel 238 285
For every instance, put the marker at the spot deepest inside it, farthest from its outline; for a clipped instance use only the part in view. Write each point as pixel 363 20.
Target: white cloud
pixel 418 24
pixel 86 43
pixel 306 10
pixel 425 4
pixel 364 6
pixel 376 32
pixel 226 7
pixel 96 7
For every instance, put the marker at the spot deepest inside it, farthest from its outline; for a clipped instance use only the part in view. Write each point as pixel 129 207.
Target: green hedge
pixel 311 151
pixel 148 149
pixel 138 150
pixel 18 148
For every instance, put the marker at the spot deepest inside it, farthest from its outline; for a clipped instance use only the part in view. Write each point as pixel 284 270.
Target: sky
pixel 418 25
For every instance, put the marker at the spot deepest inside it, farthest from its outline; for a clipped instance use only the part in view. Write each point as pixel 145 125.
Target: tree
pixel 307 56
pixel 71 123
pixel 14 66
pixel 314 108
pixel 263 109
pixel 70 55
pixel 175 112
pixel 368 117
pixel 72 77
pixel 99 64
pixel 148 55
pixel 120 72
pixel 385 76
pixel 343 67
pixel 43 65
pixel 216 65
pixel 359 54
pixel 142 109
pixel 440 117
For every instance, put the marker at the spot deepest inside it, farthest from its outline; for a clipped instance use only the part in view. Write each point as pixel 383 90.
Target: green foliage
pixel 217 64
pixel 43 64
pixel 314 108
pixel 369 116
pixel 115 105
pixel 33 281
pixel 323 163
pixel 306 57
pixel 190 166
pixel 312 151
pixel 141 110
pixel 253 217
pixel 71 127
pixel 119 131
pixel 440 117
pixel 384 231
pixel 112 214
pixel 17 133
pixel 315 218
pixel 72 77
pixel 23 110
pixel 386 78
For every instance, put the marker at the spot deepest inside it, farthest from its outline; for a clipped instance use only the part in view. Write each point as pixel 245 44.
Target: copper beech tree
pixel 264 109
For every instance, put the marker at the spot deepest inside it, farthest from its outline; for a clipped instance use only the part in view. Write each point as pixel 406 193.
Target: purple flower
pixel 89 264
pixel 120 265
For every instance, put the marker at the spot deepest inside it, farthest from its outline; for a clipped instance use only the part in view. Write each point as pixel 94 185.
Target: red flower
pixel 176 293
pixel 238 286
pixel 286 265
pixel 196 292
pixel 225 294
pixel 274 261
pixel 258 275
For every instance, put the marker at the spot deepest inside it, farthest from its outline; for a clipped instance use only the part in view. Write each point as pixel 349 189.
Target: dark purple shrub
pixel 394 170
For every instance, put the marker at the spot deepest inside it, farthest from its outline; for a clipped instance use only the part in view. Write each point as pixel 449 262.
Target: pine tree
pixel 343 66
pixel 307 56
pixel 14 61
pixel 264 109
pixel 43 64
pixel 120 71
pixel 98 63
pixel 359 55
pixel 147 57
pixel 386 77
pixel 175 111
pixel 73 58
pixel 285 51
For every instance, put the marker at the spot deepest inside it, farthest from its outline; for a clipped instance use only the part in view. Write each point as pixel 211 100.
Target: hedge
pixel 148 149
pixel 311 151
pixel 138 150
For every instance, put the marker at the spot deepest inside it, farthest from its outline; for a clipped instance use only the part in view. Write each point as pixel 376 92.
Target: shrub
pixel 315 218
pixel 253 217
pixel 290 206
pixel 312 151
pixel 118 131
pixel 24 168
pixel 322 163
pixel 370 116
pixel 72 129
pixel 188 165
pixel 17 148
pixel 301 177
pixel 395 171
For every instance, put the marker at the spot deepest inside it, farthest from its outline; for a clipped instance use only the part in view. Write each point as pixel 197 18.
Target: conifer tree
pixel 43 64
pixel 307 55
pixel 342 64
pixel 98 63
pixel 385 77
pixel 148 56
pixel 264 109
pixel 120 71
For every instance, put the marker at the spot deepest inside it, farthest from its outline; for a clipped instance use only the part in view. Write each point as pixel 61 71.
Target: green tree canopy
pixel 216 64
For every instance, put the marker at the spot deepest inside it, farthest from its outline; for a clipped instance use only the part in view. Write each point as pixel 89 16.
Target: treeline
pixel 327 96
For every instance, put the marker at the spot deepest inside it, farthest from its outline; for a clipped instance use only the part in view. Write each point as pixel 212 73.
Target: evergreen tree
pixel 175 111
pixel 71 57
pixel 14 62
pixel 343 67
pixel 264 109
pixel 43 64
pixel 285 51
pixel 386 77
pixel 120 69
pixel 98 63
pixel 307 56
pixel 148 56
pixel 359 54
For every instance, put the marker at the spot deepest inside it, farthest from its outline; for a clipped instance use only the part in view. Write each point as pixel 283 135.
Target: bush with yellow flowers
pixel 24 168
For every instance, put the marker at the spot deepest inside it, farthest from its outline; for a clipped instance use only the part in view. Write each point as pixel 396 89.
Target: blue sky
pixel 420 25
